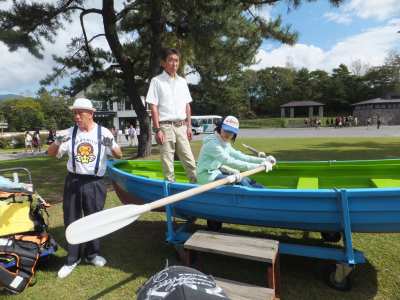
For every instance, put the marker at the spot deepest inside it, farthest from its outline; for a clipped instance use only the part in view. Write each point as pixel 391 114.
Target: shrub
pixel 4 143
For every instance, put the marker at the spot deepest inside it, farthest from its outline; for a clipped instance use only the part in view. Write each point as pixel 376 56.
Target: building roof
pixel 377 101
pixel 302 103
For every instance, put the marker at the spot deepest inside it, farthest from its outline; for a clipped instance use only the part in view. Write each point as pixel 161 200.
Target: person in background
pixel 138 133
pixel 132 136
pixel 114 132
pixel 378 122
pixel 218 159
pixel 51 137
pixel 87 146
pixel 36 142
pixel 28 142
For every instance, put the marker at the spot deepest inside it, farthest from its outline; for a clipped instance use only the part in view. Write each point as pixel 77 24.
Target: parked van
pixel 204 124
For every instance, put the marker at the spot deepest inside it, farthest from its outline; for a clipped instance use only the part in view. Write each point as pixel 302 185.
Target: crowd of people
pixel 33 142
pixel 337 122
pixel 343 121
pixel 129 134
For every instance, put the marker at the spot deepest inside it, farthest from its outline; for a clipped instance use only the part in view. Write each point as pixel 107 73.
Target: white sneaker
pixel 98 261
pixel 67 269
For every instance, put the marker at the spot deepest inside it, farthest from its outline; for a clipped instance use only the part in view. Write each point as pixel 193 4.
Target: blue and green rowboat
pixel 335 198
pixel 305 195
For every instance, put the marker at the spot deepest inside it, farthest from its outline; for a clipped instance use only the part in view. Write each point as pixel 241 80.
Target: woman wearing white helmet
pixel 218 159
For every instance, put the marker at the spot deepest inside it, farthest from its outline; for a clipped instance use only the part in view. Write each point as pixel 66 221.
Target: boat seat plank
pixel 257 249
pixel 243 291
pixel 307 183
pixel 385 182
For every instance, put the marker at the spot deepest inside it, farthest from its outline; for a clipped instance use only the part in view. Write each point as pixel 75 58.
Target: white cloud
pixel 21 72
pixel 340 18
pixel 370 47
pixel 365 9
pixel 376 9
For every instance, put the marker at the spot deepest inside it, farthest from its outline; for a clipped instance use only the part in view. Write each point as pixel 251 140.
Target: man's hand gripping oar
pixel 104 222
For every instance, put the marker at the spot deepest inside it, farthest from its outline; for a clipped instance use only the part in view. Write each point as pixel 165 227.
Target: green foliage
pixel 23 114
pixel 44 112
pixel 16 141
pixel 4 143
pixel 263 123
pixel 56 111
pixel 385 79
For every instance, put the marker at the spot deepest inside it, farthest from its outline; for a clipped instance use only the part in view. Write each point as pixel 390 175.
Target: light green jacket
pixel 215 152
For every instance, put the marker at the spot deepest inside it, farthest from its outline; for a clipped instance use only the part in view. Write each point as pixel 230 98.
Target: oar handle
pixel 254 150
pixel 200 189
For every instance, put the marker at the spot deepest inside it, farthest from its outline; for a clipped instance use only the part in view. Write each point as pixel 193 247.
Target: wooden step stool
pixel 257 249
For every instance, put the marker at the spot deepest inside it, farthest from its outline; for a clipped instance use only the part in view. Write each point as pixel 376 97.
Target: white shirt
pixel 132 131
pixel 28 138
pixel 170 95
pixel 86 151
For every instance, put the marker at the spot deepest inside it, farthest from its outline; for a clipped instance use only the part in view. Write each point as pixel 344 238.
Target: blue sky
pixel 359 30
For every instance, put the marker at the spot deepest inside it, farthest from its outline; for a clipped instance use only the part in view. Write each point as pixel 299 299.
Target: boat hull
pixel 369 209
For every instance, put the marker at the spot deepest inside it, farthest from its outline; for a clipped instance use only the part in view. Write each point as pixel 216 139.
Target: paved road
pixel 17 155
pixel 385 131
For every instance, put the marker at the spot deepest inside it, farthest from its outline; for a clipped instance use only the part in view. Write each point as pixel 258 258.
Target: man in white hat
pixel 169 99
pixel 87 145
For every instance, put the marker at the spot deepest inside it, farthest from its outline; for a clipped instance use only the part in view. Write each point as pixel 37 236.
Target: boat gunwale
pixel 111 166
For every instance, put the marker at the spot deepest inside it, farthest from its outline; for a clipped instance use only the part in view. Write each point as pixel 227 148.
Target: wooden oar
pixel 104 222
pixel 254 150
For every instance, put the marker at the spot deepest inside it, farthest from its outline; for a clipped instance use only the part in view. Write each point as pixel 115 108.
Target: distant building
pixel 308 109
pixel 118 114
pixel 387 109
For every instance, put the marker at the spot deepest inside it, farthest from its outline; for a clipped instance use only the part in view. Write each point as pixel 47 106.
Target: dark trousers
pixel 82 195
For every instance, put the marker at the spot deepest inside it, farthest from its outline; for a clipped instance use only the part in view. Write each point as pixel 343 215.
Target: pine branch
pixel 89 52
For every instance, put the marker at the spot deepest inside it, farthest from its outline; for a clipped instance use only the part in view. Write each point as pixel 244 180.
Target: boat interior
pixel 298 175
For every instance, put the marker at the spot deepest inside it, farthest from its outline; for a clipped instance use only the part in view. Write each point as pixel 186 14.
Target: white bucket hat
pixel 82 103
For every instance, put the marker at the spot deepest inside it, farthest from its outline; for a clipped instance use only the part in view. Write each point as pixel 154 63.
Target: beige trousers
pixel 176 140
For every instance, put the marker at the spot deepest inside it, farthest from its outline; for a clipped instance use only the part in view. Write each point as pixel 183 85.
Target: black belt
pixel 175 123
pixel 85 176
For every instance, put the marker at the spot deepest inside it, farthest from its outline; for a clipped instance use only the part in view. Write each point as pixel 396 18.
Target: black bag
pixel 180 283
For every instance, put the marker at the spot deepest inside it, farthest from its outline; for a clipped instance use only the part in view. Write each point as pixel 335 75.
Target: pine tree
pixel 217 38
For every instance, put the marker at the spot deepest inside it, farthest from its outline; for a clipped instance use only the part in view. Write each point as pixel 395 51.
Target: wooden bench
pixel 244 291
pixel 257 249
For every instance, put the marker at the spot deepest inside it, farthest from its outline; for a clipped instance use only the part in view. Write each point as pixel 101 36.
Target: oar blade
pixel 102 223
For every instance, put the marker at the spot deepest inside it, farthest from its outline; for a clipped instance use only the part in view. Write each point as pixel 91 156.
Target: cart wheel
pixel 214 225
pixel 329 277
pixel 329 236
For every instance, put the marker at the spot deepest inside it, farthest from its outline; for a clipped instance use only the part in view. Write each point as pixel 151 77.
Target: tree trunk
pixel 156 31
pixel 110 30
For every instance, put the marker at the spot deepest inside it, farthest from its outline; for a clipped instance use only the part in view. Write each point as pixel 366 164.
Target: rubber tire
pixel 332 237
pixel 329 278
pixel 214 225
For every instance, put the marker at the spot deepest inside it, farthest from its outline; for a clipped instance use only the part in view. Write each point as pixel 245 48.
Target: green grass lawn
pixel 139 250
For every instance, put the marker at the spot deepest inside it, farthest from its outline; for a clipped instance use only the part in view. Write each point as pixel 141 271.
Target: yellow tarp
pixel 14 217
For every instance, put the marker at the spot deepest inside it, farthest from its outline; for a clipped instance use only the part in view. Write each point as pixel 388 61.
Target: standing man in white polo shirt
pixel 87 145
pixel 169 99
